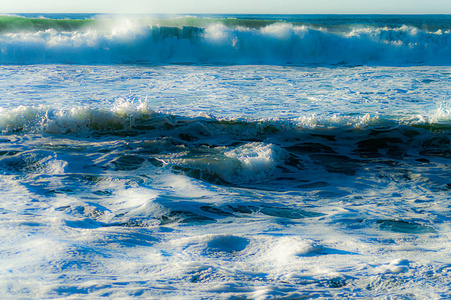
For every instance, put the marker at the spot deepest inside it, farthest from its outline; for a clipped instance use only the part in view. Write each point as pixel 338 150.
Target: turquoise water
pixel 235 157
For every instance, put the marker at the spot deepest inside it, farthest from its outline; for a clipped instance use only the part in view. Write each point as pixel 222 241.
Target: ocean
pixel 225 156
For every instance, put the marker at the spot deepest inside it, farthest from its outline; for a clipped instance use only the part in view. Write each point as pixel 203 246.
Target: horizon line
pixel 222 13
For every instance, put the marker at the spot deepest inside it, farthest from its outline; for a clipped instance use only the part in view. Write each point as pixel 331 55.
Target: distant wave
pixel 218 42
pixel 17 24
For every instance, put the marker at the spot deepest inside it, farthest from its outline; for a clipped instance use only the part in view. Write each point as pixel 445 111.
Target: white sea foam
pixel 257 162
pixel 231 181
pixel 126 116
pixel 51 120
pixel 280 43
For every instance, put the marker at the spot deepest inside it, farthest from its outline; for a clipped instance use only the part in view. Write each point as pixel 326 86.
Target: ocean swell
pixel 279 44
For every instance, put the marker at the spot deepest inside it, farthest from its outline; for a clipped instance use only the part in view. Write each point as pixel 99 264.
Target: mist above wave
pixel 131 41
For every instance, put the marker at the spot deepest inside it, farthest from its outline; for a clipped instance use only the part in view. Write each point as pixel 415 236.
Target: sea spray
pixel 133 165
pixel 280 43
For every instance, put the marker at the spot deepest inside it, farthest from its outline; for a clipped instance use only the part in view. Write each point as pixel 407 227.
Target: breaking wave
pixel 127 116
pixel 224 151
pixel 222 41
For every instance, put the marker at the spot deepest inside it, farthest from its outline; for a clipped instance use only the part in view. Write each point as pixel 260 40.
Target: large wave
pixel 219 42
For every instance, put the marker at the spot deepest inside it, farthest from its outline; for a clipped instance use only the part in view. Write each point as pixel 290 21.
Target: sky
pixel 229 6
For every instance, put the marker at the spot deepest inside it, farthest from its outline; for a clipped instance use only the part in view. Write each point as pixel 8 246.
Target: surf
pixel 191 40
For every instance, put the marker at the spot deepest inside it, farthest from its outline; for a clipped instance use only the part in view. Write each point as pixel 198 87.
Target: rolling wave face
pixel 126 116
pixel 278 43
pixel 227 152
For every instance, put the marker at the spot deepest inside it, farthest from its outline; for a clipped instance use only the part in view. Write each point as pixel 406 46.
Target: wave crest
pixel 127 115
pixel 279 43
